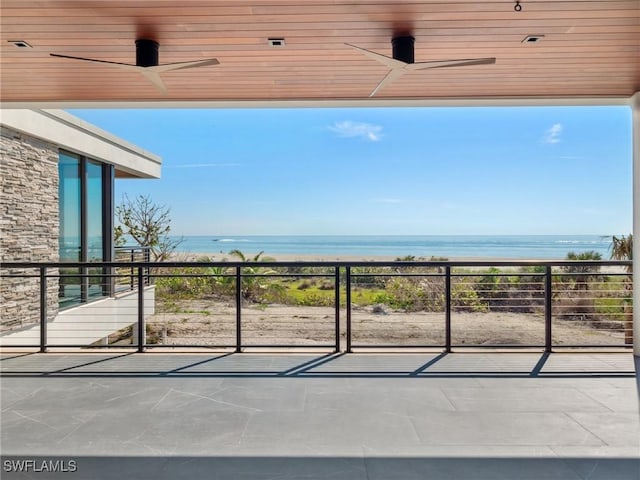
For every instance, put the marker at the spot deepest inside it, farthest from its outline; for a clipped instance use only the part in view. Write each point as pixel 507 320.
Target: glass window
pixel 94 222
pixel 84 191
pixel 70 196
pixel 70 234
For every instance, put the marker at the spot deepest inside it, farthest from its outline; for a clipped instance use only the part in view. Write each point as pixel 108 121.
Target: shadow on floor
pixel 332 365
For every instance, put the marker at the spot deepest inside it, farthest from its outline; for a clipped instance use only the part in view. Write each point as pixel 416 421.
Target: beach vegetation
pixel 368 277
pixel 581 276
pixel 408 258
pixel 622 249
pixel 412 293
pixel 256 284
pixel 599 303
pixel 465 298
pixel 533 269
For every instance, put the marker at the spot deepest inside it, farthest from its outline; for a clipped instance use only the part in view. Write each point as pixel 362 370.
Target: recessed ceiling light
pixel 20 43
pixel 276 42
pixel 532 38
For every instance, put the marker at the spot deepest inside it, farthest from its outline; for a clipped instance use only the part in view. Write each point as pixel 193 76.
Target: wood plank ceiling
pixel 589 48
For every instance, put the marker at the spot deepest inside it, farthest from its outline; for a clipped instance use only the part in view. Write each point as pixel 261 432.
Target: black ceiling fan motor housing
pixel 403 49
pixel 147 53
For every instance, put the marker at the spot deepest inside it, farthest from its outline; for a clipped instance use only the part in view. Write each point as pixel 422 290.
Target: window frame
pixel 107 179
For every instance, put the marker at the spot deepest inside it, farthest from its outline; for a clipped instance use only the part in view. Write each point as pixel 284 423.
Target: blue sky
pixel 409 171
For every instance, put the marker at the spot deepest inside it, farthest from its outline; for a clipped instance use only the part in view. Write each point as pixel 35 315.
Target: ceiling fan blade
pixel 167 67
pixel 124 66
pixel 390 77
pixel 388 61
pixel 153 77
pixel 450 63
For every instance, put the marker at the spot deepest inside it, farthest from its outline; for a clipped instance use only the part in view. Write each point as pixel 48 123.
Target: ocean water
pixel 549 247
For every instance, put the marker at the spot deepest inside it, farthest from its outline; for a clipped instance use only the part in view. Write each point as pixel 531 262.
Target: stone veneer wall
pixel 29 222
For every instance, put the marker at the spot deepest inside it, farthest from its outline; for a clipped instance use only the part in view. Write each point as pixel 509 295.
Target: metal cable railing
pixel 328 305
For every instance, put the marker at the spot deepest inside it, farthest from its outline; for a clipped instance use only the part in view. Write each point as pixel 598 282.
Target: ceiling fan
pixel 147 62
pixel 403 60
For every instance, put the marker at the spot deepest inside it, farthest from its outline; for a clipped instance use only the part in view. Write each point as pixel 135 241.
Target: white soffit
pixel 76 135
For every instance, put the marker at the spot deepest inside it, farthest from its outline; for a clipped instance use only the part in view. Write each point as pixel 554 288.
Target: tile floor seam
pixel 415 430
pixel 409 418
pixel 364 463
pixel 81 424
pixel 133 394
pixel 576 421
pixel 27 417
pixel 161 399
pixel 595 400
pixel 444 393
pixel 21 399
pixel 567 464
pixel 595 466
pixel 98 384
pixel 235 405
pixel 246 426
pixel 133 441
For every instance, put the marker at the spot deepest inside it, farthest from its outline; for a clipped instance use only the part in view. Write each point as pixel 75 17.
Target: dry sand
pixel 301 257
pixel 281 257
pixel 211 322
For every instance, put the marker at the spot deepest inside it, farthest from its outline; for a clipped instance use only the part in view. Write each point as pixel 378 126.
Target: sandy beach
pixel 299 257
pixel 281 257
pixel 211 322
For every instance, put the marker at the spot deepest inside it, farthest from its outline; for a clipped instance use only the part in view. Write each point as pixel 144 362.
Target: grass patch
pixel 319 295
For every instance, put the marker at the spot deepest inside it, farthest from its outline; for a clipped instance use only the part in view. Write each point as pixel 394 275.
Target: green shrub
pixel 610 308
pixel 413 294
pixel 464 298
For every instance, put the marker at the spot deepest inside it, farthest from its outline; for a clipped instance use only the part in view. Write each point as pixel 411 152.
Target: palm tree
pixel 256 258
pixel 622 249
pixel 253 285
pixel 583 275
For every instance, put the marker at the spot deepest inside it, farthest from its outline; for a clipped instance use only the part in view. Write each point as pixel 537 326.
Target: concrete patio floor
pixel 313 416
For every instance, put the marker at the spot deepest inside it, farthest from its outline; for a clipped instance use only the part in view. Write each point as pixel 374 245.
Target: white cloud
pixel 347 128
pixel 202 165
pixel 552 135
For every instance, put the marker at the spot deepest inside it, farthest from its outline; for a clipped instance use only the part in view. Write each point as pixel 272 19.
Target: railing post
pixel 238 309
pixel 348 306
pixel 146 252
pixel 141 327
pixel 447 309
pixel 548 340
pixel 337 297
pixel 43 309
pixel 110 273
pixel 133 278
